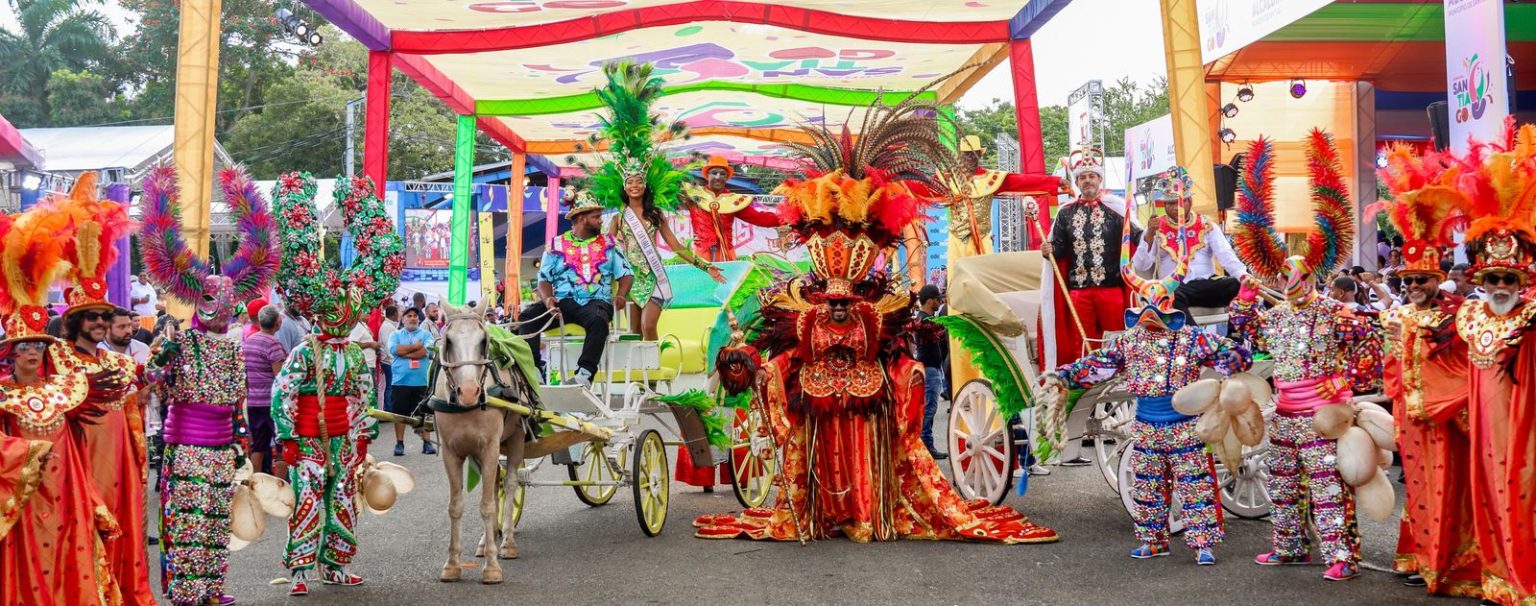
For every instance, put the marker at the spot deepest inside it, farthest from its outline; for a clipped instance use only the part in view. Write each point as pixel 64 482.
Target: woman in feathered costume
pixel 55 552
pixel 637 180
pixel 206 431
pixel 843 397
pixel 1310 339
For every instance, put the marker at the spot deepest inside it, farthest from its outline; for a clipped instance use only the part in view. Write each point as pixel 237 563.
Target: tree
pixel 303 123
pixel 1126 104
pixel 1000 117
pixel 79 98
pixel 54 35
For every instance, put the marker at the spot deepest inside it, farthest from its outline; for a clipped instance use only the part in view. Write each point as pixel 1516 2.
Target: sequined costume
pixel 1169 459
pixel 1308 345
pixel 205 435
pixel 201 376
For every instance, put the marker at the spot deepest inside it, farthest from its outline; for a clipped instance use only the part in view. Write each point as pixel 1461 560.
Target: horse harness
pixel 486 368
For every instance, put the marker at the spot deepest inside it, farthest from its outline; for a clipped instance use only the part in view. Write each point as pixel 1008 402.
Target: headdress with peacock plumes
pixel 855 202
pixel 1255 237
pixel 633 136
pixel 1425 207
pixel 332 299
pixel 98 225
pixel 173 266
pixel 32 260
pixel 1498 180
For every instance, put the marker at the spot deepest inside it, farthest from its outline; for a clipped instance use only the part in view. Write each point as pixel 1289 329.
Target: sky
pixel 1083 42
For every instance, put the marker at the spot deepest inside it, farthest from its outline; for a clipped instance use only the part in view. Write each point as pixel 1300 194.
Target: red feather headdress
pixel 99 224
pixel 1498 181
pixel 1426 205
pixel 32 259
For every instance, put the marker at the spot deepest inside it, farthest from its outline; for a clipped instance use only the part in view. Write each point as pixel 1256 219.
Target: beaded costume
pixel 202 373
pixel 1309 339
pixel 322 393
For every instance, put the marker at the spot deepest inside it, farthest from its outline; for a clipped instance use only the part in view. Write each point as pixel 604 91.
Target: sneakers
pixel 937 455
pixel 583 378
pixel 1341 571
pixel 223 600
pixel 1275 559
pixel 1076 462
pixel 1204 557
pixel 1039 470
pixel 1414 580
pixel 399 449
pixel 340 576
pixel 1148 551
pixel 428 449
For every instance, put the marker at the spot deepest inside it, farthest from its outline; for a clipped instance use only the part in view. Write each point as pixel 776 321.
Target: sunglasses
pixel 92 316
pixel 31 346
pixel 1497 279
pixel 1417 280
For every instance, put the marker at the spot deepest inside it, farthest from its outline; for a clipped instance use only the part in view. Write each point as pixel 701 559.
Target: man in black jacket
pixel 932 344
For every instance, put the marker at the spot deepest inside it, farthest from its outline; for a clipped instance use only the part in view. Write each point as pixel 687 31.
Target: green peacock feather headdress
pixel 633 136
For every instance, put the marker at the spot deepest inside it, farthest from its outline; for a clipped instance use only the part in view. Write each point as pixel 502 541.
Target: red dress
pixel 1502 423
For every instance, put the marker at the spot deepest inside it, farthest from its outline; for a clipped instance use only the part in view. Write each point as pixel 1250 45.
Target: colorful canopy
pixel 740 74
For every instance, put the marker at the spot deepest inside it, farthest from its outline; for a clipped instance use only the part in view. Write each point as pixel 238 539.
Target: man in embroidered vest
pixel 1203 240
pixel 1500 332
pixel 577 277
pixel 1085 244
pixel 713 210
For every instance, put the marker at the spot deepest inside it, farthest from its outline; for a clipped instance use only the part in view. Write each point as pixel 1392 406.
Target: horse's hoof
pixel 451 574
pixel 509 552
pixel 490 577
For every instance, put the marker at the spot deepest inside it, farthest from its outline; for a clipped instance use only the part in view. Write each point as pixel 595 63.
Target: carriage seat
pixel 1207 316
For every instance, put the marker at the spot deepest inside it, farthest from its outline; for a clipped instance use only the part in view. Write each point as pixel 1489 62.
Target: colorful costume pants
pixel 1303 478
pixel 322 522
pixel 197 487
pixel 1169 460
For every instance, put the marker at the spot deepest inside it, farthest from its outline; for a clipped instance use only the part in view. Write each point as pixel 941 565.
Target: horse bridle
pixel 486 366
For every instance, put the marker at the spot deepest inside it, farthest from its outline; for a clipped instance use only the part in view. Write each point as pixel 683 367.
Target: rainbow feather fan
pixel 172 265
pixel 1332 212
pixel 1257 242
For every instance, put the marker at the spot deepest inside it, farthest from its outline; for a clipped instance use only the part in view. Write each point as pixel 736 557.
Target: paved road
pixel 573 554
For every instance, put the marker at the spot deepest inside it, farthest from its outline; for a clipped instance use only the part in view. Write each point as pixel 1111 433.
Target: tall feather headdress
pixel 1426 205
pixel 633 135
pixel 98 225
pixel 1498 180
pixel 1333 234
pixel 32 260
pixel 173 266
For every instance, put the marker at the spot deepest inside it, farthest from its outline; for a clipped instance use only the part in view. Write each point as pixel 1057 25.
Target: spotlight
pixel 1381 159
pixel 315 39
pixel 1298 88
pixel 1228 136
pixel 1229 110
pixel 1245 93
pixel 287 18
pixel 301 30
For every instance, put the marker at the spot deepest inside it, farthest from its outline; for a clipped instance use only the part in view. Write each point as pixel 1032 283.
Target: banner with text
pixel 1228 25
pixel 1149 148
pixel 1476 89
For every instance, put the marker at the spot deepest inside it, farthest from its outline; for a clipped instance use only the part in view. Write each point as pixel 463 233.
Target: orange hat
pixel 718 162
pixel 92 250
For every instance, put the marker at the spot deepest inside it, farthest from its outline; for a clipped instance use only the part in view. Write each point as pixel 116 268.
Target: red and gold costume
pixel 114 441
pixel 1500 185
pixel 843 397
pixel 714 214
pixel 54 524
pixel 1426 376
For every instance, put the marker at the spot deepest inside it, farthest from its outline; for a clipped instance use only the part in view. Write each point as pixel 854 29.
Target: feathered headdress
pixel 855 201
pixel 332 299
pixel 1425 207
pixel 98 225
pixel 32 260
pixel 632 134
pixel 1257 242
pixel 1498 180
pixel 173 266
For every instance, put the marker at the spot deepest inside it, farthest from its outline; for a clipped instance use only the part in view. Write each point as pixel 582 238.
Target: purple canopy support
pixel 117 277
pixel 354 20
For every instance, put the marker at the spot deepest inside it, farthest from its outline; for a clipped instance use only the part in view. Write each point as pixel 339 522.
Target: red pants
pixel 1101 309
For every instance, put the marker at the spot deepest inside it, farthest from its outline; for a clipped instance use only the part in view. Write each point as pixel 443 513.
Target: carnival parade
pixel 776 284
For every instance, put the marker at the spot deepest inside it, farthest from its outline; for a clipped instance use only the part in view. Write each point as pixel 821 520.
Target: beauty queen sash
pixel 647 244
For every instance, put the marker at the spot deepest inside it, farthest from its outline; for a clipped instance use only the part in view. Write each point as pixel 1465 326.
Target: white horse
pixel 468 428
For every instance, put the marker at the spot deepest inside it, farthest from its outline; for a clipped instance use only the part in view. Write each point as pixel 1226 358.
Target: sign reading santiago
pixel 1474 69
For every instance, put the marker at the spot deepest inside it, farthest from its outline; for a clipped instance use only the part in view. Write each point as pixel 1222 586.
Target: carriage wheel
pixel 752 460
pixel 501 497
pixel 980 444
pixel 652 482
pixel 1110 430
pixel 593 466
pixel 1127 476
pixel 1245 493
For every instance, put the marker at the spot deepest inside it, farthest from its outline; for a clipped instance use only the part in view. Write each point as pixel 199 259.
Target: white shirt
pixel 359 334
pixel 385 330
pixel 139 290
pixel 1200 263
pixel 138 351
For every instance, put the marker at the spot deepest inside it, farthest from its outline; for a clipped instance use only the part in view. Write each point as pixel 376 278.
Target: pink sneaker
pixel 1275 559
pixel 1341 571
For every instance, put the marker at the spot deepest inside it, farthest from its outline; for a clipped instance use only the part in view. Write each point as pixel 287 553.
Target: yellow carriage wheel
pixel 652 482
pixel 593 466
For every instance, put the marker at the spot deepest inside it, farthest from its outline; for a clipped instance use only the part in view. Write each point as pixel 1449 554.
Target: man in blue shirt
pixel 576 281
pixel 410 348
